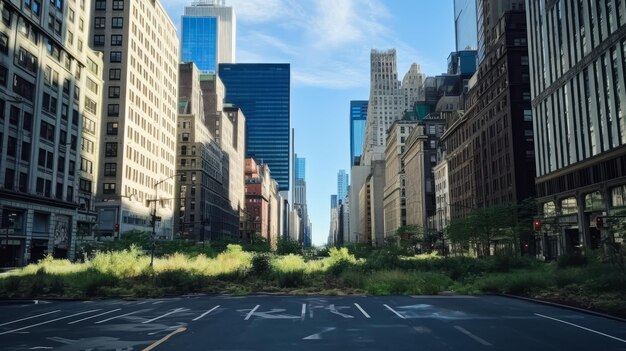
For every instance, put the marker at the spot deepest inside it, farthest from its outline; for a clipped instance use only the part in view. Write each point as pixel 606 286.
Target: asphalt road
pixel 304 323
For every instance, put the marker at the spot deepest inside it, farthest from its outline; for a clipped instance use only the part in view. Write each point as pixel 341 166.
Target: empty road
pixel 304 323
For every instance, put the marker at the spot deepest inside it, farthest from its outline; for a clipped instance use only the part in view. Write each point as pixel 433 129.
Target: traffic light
pixel 599 222
pixel 537 225
pixel 116 227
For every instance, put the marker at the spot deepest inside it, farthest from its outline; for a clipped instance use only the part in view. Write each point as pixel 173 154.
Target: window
pixel 110 149
pixel 116 56
pixel 46 131
pixel 49 103
pixel 4 43
pixel 23 88
pixel 4 76
pixel 91 106
pixel 89 125
pixel 25 151
pixel 98 40
pixel 9 178
pixel 101 5
pixel 14 116
pixel 108 188
pixel 110 169
pixel 112 128
pixel 116 40
pixel 45 159
pixel 61 164
pixel 23 182
pixel 86 165
pixel 12 147
pixel 84 185
pixel 71 169
pixel 528 116
pixel 27 60
pixel 6 16
pixel 91 85
pixel 27 121
pixel 92 66
pixel 117 22
pixel 53 50
pixel 114 92
pixel 113 110
pixel 526 96
pixel 524 60
pixel 99 23
pixel 118 5
pixel 185 136
pixel 115 74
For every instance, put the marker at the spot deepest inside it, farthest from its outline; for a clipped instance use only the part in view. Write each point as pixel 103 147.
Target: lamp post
pixel 154 215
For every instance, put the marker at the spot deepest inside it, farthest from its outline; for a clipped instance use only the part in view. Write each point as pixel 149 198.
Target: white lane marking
pixel 362 310
pixel 468 333
pixel 120 316
pixel 318 336
pixel 164 315
pixel 46 322
pixel 31 317
pixel 251 312
pixel 41 348
pixel 157 302
pixel 581 327
pixel 97 315
pixel 141 303
pixel 334 310
pixel 394 311
pixel 205 313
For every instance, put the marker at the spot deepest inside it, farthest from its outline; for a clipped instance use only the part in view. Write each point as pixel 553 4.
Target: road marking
pixel 205 313
pixel 362 310
pixel 164 315
pixel 46 322
pixel 251 312
pixel 581 327
pixel 303 311
pixel 31 317
pixel 394 311
pixel 318 336
pixel 334 310
pixel 164 339
pixel 468 333
pixel 121 315
pixel 97 315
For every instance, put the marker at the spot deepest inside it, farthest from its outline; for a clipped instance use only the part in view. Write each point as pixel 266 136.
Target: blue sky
pixel 327 43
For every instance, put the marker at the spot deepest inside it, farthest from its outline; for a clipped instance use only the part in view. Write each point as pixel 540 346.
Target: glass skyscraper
pixel 208 34
pixel 300 168
pixel 465 26
pixel 358 118
pixel 262 92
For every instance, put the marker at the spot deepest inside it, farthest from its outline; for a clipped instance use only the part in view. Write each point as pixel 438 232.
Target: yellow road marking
pixel 164 339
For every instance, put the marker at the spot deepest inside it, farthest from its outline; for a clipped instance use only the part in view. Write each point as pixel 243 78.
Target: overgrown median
pixel 586 283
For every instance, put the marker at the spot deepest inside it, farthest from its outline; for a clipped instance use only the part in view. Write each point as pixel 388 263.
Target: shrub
pixel 90 282
pixel 383 259
pixel 339 260
pixel 572 260
pixel 261 265
pixel 287 247
pixel 396 282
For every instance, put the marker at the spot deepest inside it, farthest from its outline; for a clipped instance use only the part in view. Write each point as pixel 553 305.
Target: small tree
pixel 287 246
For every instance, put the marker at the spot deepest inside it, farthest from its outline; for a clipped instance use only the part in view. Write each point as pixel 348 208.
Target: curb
pixel 567 307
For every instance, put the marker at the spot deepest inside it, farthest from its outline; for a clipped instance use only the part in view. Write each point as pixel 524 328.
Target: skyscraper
pixel 465 28
pixel 209 30
pixel 140 115
pixel 578 101
pixel 386 103
pixel 300 168
pixel 343 181
pixel 488 13
pixel 50 122
pixel 358 119
pixel 262 91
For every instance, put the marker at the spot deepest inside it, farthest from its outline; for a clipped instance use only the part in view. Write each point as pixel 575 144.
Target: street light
pixel 154 214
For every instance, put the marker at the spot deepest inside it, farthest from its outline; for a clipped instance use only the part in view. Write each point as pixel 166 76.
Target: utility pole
pixel 154 216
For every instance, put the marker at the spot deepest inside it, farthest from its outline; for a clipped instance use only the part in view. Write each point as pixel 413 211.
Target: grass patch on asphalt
pixel 587 283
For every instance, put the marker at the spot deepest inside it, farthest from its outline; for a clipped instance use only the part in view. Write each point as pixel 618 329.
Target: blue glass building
pixel 358 118
pixel 300 168
pixel 199 42
pixel 262 91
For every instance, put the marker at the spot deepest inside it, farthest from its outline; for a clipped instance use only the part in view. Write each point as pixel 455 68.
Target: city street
pixel 304 323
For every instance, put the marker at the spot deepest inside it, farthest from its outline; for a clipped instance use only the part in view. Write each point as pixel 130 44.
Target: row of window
pixel 116 22
pixel 99 40
pixel 101 5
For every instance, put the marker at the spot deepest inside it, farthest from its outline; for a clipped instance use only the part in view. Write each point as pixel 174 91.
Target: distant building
pixel 209 34
pixel 262 92
pixel 465 29
pixel 333 201
pixel 300 168
pixel 358 120
pixel 343 181
pixel 261 202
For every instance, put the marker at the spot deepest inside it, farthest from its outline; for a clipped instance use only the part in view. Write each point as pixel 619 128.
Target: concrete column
pixel 51 227
pixel 72 244
pixel 583 221
pixel 30 214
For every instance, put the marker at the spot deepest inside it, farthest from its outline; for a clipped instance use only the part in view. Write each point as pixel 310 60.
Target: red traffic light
pixel 116 227
pixel 537 225
pixel 599 222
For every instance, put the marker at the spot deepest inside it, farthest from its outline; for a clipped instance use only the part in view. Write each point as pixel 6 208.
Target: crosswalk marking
pixel 164 315
pixel 362 310
pixel 97 315
pixel 31 317
pixel 120 316
pixel 205 313
pixel 251 312
pixel 46 322
pixel 394 311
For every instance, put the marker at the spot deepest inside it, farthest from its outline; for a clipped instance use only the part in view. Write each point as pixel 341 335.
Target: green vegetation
pixel 585 281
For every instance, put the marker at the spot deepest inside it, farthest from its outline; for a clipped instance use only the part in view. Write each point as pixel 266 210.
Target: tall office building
pixel 488 13
pixel 358 119
pixel 413 86
pixel 386 104
pixel 300 168
pixel 209 31
pixel 49 103
pixel 140 49
pixel 577 56
pixel 465 29
pixel 262 92
pixel 343 181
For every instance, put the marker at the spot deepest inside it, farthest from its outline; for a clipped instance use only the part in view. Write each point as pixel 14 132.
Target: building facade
pixel 262 92
pixel 49 103
pixel 343 182
pixel 140 49
pixel 358 120
pixel 577 56
pixel 209 34
pixel 395 194
pixel 465 28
